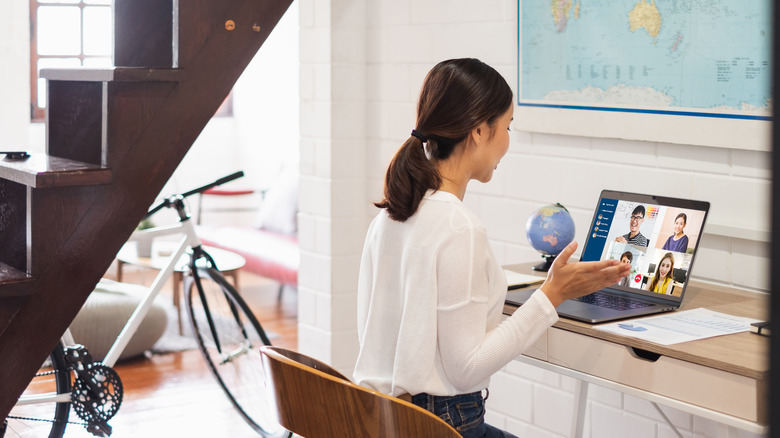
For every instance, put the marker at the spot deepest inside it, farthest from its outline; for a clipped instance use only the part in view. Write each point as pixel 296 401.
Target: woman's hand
pixel 571 280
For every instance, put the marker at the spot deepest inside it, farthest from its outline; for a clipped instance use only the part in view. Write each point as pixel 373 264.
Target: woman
pixel 430 291
pixel 662 280
pixel 678 242
pixel 626 258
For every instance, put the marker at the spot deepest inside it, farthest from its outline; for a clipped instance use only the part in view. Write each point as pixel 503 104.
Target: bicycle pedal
pixel 99 429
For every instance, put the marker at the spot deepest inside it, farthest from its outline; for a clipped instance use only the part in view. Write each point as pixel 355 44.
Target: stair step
pixel 114 74
pixel 45 171
pixel 10 275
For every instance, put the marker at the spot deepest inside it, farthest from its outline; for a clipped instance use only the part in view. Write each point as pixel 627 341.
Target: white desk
pixel 724 379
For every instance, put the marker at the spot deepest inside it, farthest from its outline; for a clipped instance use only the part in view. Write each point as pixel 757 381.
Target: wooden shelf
pixel 114 74
pixel 44 171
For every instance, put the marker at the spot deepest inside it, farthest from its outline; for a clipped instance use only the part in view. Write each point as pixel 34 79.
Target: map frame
pixel 679 126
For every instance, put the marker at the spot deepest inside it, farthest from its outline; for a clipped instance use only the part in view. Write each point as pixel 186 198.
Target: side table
pixel 229 263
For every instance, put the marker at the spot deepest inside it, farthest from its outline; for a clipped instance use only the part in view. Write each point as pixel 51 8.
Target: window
pixel 67 33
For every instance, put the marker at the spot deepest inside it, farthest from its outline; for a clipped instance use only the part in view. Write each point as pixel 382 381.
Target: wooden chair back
pixel 315 401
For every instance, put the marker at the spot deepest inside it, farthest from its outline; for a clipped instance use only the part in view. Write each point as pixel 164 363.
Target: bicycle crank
pixel 97 391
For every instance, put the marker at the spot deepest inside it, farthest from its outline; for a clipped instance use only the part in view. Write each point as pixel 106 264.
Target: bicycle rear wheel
pixel 229 336
pixel 44 418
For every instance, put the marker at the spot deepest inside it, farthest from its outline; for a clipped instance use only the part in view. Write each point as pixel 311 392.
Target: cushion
pixel 105 314
pixel 279 210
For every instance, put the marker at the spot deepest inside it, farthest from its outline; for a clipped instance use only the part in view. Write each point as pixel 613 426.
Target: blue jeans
pixel 466 413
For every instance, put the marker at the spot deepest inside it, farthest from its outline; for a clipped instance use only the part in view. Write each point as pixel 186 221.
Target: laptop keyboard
pixel 615 302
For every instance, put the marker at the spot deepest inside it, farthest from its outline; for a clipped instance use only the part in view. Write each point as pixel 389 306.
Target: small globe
pixel 549 230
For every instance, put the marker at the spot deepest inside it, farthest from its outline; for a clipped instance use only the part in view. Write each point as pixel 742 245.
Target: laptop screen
pixel 658 236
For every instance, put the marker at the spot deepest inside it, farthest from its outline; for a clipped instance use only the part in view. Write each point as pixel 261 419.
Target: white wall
pixel 333 207
pixel 14 81
pixel 362 64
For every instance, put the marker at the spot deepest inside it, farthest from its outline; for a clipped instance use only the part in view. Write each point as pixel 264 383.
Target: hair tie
pixel 419 136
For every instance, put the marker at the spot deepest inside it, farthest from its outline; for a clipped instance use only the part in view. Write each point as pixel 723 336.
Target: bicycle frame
pixel 188 239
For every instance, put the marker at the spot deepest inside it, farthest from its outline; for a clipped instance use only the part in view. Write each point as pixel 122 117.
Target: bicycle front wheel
pixel 229 336
pixel 43 408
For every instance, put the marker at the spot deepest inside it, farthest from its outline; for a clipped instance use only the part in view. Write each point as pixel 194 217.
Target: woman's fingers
pixel 563 258
pixel 570 280
pixel 576 279
pixel 612 273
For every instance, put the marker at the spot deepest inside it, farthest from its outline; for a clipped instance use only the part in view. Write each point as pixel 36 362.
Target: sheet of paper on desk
pixel 516 280
pixel 681 326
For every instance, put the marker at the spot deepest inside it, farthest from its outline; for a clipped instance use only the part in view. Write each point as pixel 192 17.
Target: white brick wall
pixel 333 175
pixel 362 66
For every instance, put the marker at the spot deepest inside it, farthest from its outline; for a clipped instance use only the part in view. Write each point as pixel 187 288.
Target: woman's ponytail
pixel 408 177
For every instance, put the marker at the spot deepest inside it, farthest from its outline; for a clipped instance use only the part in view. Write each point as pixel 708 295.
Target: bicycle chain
pixel 45 420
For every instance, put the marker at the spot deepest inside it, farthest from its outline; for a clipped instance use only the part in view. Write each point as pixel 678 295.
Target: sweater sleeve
pixel 471 350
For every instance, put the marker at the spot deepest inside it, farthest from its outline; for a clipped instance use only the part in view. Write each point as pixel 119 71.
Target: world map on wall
pixel 711 56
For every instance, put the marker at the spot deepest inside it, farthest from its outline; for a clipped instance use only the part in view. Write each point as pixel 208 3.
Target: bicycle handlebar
pixel 169 200
pixel 218 182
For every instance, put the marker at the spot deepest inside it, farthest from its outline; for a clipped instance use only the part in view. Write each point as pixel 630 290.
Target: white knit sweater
pixel 430 300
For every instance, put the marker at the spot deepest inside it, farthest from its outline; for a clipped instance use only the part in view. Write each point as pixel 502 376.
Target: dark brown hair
pixel 456 97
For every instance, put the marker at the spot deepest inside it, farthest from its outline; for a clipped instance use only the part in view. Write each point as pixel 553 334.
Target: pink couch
pixel 267 253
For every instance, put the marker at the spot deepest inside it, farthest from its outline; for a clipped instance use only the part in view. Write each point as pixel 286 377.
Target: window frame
pixel 38 114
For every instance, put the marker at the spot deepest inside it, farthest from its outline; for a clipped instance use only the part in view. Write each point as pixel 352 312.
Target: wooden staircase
pixel 114 138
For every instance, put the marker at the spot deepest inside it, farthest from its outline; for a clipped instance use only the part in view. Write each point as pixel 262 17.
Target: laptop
pixel 640 230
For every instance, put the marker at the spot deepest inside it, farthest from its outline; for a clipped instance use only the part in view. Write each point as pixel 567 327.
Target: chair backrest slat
pixel 316 401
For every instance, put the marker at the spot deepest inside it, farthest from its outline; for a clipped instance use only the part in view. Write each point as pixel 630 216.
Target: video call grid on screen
pixel 612 220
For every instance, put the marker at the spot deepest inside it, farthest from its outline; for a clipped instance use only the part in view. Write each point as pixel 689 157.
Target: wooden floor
pixel 174 394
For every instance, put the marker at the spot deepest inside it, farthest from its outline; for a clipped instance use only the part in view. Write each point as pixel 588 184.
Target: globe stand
pixel 546 264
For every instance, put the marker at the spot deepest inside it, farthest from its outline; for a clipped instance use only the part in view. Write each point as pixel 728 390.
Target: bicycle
pixel 227 333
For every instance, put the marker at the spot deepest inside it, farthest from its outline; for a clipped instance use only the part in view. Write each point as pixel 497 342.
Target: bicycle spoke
pixel 43 418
